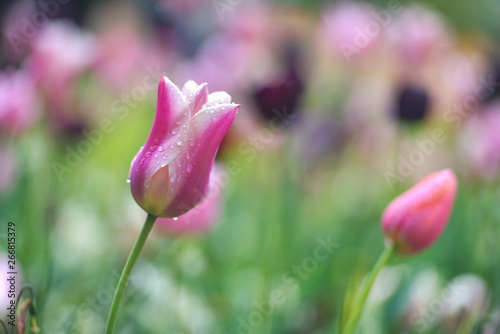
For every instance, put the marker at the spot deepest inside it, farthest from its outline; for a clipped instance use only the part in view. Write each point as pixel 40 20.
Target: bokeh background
pixel 344 106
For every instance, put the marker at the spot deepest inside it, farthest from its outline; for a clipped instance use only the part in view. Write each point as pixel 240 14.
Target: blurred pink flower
pixel 479 141
pixel 18 102
pixel 182 6
pixel 61 53
pixel 222 62
pixel 234 52
pixel 416 32
pixel 122 57
pixel 347 26
pixel 461 73
pixel 119 54
pixel 170 174
pixel 250 22
pixel 416 218
pixel 200 219
pixel 19 30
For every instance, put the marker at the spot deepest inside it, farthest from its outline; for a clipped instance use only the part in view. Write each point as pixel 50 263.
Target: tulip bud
pixel 170 174
pixel 416 218
pixel 201 218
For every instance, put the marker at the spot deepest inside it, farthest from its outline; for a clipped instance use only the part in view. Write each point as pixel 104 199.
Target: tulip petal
pixel 157 190
pixel 217 98
pixel 193 165
pixel 196 95
pixel 172 110
pixel 201 218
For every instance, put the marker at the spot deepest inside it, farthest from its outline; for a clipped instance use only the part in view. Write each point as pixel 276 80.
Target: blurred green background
pixel 322 179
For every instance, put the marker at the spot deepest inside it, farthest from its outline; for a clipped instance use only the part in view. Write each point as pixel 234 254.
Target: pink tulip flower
pixel 416 218
pixel 200 219
pixel 170 174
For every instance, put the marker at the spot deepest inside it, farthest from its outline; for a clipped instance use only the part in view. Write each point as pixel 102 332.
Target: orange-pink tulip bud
pixel 416 218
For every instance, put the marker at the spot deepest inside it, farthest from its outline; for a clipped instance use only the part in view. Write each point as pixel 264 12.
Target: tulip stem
pixel 360 301
pixel 120 289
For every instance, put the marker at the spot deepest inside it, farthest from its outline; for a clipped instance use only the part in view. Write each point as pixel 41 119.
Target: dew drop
pixel 157 141
pixel 147 155
pixel 179 142
pixel 160 148
pixel 189 168
pixel 191 142
pixel 174 131
pixel 128 180
pixel 175 218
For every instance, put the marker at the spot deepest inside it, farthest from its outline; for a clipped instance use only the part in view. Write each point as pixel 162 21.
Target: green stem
pixel 120 289
pixel 360 301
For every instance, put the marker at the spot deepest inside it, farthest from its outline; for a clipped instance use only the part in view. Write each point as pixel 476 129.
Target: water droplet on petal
pixel 189 168
pixel 160 148
pixel 174 131
pixel 175 218
pixel 191 142
pixel 179 142
pixel 128 180
pixel 157 141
